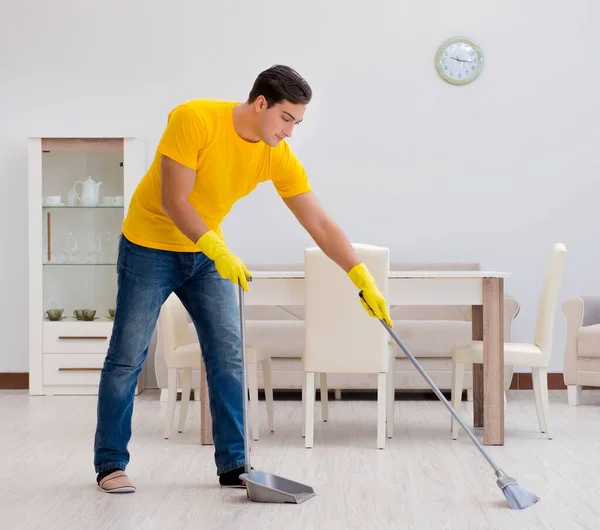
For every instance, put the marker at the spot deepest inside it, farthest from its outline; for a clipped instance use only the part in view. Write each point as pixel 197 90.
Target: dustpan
pixel 262 486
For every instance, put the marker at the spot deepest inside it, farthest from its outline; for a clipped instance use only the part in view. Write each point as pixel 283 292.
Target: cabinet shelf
pixel 71 320
pixel 103 264
pixel 99 207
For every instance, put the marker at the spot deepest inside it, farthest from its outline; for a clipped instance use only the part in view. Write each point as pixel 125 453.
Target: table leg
pixel 493 361
pixel 477 334
pixel 205 416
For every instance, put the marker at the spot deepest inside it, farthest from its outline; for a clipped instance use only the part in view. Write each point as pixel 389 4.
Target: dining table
pixel 482 290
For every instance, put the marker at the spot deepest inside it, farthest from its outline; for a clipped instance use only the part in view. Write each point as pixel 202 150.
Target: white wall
pixel 398 156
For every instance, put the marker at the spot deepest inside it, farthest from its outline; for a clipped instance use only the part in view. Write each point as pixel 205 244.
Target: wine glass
pixel 94 249
pixel 72 247
pixel 109 247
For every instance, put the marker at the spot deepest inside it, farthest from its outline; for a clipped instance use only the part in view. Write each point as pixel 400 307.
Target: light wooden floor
pixel 422 480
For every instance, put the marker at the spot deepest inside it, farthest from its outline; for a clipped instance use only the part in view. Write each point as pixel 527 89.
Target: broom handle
pixel 438 393
pixel 244 380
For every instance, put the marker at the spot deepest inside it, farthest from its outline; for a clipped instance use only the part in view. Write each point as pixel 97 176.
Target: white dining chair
pixel 535 355
pixel 340 337
pixel 182 355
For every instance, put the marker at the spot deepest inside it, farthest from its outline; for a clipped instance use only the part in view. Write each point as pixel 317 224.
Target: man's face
pixel 278 122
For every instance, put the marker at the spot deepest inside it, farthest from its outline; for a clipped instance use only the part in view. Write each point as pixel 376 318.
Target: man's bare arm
pixel 323 229
pixel 334 243
pixel 177 182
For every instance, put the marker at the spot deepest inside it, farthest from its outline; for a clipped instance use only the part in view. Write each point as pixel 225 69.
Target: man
pixel 211 154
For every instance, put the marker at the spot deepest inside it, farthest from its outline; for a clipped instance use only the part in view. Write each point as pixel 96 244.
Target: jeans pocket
pixel 122 248
pixel 156 266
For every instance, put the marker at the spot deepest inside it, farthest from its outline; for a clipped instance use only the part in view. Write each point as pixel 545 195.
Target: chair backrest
pixel 548 299
pixel 173 328
pixel 340 337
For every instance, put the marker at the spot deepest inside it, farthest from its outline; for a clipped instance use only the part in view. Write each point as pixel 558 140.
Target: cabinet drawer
pixel 72 369
pixel 76 337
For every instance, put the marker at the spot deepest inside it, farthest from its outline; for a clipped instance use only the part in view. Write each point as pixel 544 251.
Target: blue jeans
pixel 146 278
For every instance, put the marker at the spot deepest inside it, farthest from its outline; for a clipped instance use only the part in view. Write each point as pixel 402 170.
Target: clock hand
pixel 460 60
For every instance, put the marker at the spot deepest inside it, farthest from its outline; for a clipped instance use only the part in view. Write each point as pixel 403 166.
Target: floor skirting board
pixel 14 381
pixel 520 381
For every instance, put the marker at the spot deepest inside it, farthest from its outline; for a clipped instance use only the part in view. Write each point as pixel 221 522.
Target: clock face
pixel 459 61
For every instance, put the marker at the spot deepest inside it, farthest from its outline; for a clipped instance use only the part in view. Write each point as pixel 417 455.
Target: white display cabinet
pixel 79 191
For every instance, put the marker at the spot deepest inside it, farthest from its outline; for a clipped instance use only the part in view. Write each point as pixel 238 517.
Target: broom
pixel 517 497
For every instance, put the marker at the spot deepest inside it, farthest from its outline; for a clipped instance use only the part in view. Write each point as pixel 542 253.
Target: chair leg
pixel 186 385
pixel 537 396
pixel 391 397
pixel 543 378
pixel 171 399
pixel 338 394
pixel 458 372
pixel 268 381
pixel 309 409
pixel 452 370
pixel 382 398
pixel 304 406
pixel 469 395
pixel 253 405
pixel 324 397
pixel 574 395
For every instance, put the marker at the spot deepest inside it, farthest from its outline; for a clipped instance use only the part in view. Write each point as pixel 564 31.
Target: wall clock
pixel 459 60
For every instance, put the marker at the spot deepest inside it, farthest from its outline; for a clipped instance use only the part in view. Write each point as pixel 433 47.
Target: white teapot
pixel 90 193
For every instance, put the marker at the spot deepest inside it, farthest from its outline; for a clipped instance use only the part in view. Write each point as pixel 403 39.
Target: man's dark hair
pixel 280 83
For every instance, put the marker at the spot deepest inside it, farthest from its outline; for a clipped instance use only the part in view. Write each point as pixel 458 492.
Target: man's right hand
pixel 227 263
pixel 372 299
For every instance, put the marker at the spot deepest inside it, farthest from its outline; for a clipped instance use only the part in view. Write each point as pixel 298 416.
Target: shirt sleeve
pixel 288 174
pixel 183 137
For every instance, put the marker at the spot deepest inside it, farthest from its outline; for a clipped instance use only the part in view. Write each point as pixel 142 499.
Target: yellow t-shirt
pixel 200 135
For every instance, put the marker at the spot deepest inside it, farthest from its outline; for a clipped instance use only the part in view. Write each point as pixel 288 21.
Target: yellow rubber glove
pixel 373 301
pixel 227 263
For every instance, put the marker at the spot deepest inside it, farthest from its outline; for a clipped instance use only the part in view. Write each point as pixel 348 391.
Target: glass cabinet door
pixel 81 212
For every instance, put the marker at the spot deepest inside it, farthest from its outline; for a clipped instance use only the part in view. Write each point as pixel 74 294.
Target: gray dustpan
pixel 261 486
